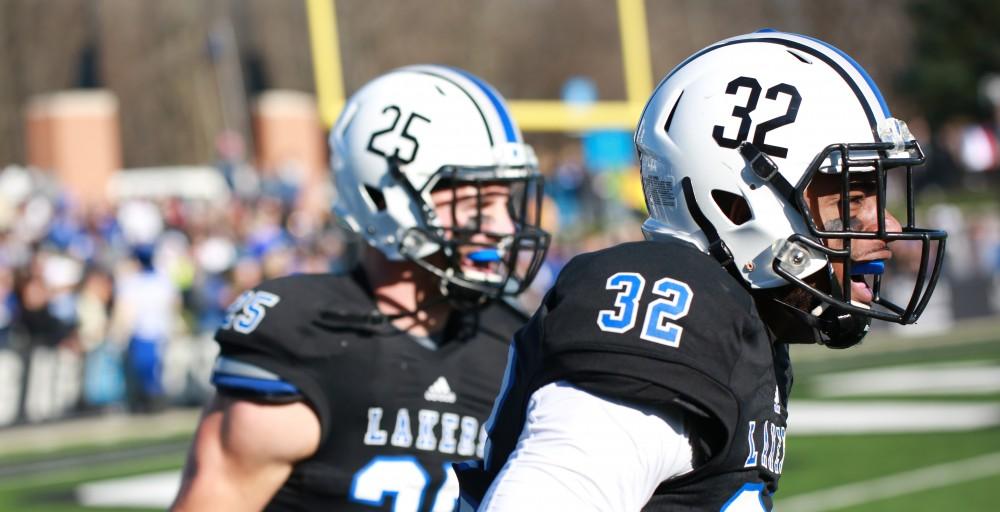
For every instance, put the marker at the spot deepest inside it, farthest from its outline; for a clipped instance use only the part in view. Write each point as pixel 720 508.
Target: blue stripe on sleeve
pixel 255 385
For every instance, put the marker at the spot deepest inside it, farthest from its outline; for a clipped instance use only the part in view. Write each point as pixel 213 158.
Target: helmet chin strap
pixel 337 319
pixel 456 296
pixel 833 327
pixel 462 298
pixel 717 247
pixel 825 324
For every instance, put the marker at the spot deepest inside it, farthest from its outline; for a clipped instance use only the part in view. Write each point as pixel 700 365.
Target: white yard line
pixel 812 417
pixel 907 482
pixel 914 380
pixel 152 490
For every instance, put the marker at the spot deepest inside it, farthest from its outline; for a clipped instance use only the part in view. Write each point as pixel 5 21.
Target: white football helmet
pixel 419 127
pixel 749 121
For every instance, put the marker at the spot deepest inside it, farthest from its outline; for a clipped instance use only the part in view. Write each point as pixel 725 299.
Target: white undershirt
pixel 582 452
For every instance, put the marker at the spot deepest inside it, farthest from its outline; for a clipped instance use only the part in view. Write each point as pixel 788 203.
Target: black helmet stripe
pixel 489 133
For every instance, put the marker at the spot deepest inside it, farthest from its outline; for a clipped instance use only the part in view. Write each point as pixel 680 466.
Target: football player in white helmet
pixel 655 375
pixel 777 190
pixel 344 392
pixel 397 151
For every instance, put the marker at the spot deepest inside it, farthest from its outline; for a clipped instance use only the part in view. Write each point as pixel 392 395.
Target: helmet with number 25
pixel 735 145
pixel 420 130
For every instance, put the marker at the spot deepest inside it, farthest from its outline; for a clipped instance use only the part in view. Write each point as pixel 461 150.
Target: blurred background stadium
pixel 191 133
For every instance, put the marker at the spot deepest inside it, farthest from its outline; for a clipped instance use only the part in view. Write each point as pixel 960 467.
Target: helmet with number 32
pixel 729 144
pixel 420 128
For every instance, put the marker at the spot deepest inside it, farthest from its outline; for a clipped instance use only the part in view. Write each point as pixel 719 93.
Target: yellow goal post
pixel 531 115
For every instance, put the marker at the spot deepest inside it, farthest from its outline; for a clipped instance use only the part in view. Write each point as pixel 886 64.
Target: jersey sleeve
pixel 267 346
pixel 244 380
pixel 574 455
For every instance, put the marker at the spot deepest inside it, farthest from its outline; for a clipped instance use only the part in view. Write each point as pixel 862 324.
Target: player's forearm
pixel 215 499
pixel 202 495
pixel 217 489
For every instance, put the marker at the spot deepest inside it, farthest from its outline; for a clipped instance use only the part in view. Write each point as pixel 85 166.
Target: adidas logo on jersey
pixel 440 391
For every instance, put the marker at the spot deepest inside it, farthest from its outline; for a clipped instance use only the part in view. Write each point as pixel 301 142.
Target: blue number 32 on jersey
pixel 672 303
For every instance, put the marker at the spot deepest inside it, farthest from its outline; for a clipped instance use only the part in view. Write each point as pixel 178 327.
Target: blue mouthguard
pixel 868 267
pixel 485 256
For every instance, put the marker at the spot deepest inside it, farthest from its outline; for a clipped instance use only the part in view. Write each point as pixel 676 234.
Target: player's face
pixel 481 213
pixel 824 196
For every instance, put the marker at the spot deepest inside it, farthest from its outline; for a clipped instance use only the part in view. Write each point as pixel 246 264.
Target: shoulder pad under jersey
pixel 660 313
pixel 281 318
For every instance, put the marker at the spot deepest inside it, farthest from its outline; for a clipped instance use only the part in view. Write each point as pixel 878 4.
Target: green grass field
pixel 54 491
pixel 856 472
pixel 815 464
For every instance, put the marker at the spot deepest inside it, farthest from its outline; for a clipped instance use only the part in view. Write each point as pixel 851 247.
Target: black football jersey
pixel 394 413
pixel 658 324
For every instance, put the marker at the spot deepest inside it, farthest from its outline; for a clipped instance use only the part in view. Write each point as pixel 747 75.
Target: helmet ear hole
pixel 376 196
pixel 733 206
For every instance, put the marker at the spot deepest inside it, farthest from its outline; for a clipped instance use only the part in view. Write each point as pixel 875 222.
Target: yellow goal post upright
pixel 531 115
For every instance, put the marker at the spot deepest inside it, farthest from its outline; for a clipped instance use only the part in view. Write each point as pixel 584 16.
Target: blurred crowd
pixel 121 280
pixel 114 285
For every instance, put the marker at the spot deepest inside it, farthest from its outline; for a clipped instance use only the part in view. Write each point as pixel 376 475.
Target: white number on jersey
pixel 748 499
pixel 406 480
pixel 247 311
